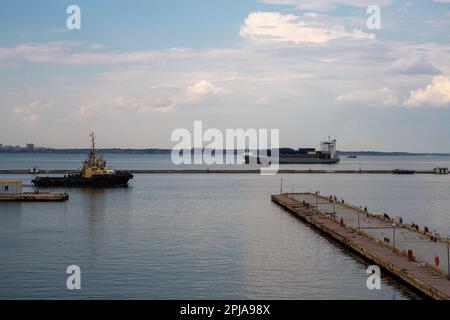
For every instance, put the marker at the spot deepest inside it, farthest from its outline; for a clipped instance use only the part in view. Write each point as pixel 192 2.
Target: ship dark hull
pixel 289 159
pixel 118 179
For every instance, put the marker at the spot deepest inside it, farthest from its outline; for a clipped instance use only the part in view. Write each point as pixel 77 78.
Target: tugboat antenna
pixel 93 141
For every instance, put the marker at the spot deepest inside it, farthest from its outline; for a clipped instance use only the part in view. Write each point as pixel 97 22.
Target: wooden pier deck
pixel 339 224
pixel 35 197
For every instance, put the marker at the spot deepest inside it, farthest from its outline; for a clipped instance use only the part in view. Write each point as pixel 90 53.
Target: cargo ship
pixel 94 173
pixel 326 154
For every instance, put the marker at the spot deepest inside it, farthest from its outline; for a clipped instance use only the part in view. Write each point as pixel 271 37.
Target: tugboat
pixel 94 173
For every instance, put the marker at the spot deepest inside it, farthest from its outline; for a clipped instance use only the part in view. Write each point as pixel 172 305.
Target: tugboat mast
pixel 93 164
pixel 92 141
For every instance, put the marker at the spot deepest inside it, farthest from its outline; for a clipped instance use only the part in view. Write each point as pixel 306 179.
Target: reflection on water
pixel 95 205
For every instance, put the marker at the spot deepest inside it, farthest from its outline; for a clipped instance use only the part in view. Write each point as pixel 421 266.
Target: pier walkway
pixel 407 253
pixel 34 197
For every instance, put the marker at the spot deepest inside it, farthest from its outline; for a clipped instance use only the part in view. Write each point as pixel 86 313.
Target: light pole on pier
pixel 359 229
pixel 448 258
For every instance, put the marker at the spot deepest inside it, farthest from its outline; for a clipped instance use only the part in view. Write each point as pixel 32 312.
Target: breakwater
pixel 224 171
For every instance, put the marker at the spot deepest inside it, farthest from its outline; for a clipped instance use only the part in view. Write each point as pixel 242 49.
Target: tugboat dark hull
pixel 118 179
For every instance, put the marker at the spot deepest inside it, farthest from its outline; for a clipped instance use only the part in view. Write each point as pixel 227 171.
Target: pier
pixel 11 190
pixel 410 253
pixel 33 197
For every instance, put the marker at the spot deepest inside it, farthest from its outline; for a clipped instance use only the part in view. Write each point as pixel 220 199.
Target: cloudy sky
pixel 139 69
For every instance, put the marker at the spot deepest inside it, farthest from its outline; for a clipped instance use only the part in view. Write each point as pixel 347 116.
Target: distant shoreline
pixel 168 151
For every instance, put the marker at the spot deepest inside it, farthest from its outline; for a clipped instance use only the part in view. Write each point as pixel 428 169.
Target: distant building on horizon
pixel 30 146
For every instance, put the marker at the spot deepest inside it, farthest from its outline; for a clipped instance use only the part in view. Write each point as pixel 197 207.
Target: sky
pixel 137 70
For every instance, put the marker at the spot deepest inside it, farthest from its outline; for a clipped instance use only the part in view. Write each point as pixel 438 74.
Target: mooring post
pixel 358 222
pixel 448 258
pixel 393 235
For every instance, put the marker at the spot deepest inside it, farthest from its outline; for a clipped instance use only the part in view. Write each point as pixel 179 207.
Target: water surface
pixel 200 236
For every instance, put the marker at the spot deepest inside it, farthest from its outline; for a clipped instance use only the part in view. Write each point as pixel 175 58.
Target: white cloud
pixel 328 5
pixel 95 46
pixel 31 118
pixel 308 28
pixel 201 89
pixel 264 100
pixel 415 64
pixel 383 97
pixel 83 112
pixel 57 30
pixel 435 94
pixel 107 104
pixel 224 86
pixel 159 99
pixel 328 60
pixel 77 53
pixel 45 52
pixel 197 94
pixel 31 112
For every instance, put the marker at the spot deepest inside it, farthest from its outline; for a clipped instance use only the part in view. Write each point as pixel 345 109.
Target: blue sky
pixel 137 70
pixel 130 25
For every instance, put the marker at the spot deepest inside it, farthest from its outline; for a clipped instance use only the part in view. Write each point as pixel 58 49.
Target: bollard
pixel 410 255
pixel 342 223
pixel 436 261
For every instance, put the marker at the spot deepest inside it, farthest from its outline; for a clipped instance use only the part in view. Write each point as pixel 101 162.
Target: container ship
pixel 94 173
pixel 326 154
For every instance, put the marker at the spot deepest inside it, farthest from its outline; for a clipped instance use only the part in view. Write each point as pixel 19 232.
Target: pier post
pixel 448 258
pixel 359 229
pixel 281 186
pixel 393 235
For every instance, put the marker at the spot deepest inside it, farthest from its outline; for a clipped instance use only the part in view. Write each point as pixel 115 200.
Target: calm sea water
pixel 199 236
